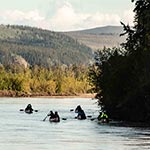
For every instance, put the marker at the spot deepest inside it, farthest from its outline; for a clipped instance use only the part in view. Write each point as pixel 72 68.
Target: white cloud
pixel 98 19
pixel 64 18
pixel 17 16
pixel 128 17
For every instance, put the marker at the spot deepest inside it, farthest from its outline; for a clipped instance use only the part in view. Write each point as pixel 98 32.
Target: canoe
pixel 54 120
pixel 103 121
pixel 28 111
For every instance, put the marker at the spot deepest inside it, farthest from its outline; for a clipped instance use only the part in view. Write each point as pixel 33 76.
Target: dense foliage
pixel 41 47
pixel 122 77
pixel 41 81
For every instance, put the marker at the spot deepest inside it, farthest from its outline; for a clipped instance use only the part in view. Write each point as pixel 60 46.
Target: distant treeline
pixel 37 80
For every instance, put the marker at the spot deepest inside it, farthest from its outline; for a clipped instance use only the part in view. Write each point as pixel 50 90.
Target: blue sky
pixel 66 15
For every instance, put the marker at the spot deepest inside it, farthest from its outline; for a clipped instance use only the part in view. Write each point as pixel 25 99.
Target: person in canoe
pixel 29 109
pixel 57 118
pixel 54 117
pixel 81 115
pixel 103 117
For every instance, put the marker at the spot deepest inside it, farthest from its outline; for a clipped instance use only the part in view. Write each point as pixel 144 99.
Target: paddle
pixel 45 117
pixel 93 119
pixel 61 118
pixel 64 118
pixel 33 110
pixel 21 109
pixel 89 116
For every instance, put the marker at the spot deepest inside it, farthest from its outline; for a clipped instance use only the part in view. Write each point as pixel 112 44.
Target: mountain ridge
pixel 109 29
pixel 48 48
pixel 99 37
pixel 41 47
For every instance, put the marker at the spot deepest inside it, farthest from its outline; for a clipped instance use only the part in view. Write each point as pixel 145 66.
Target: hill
pixel 41 47
pixel 97 38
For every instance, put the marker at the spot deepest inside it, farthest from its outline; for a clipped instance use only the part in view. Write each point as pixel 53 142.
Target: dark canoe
pixel 103 121
pixel 28 111
pixel 54 120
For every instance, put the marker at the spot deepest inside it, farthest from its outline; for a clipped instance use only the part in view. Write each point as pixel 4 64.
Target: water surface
pixel 21 131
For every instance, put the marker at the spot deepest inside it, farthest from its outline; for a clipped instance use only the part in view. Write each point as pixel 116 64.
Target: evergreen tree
pixel 139 36
pixel 122 78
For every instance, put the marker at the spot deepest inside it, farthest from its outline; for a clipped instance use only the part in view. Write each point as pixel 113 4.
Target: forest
pixel 41 47
pixel 121 77
pixel 39 81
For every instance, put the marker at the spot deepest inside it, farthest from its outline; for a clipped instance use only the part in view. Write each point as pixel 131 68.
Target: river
pixel 21 131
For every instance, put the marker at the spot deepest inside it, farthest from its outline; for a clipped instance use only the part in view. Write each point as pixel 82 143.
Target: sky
pixel 66 15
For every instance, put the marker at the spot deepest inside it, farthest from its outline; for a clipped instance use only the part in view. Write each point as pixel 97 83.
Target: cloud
pixel 128 17
pixel 98 19
pixel 64 18
pixel 17 17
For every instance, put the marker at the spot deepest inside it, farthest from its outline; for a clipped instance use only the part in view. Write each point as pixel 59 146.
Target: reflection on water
pixel 21 131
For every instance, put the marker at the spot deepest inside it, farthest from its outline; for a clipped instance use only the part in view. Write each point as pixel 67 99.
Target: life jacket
pixel 103 115
pixel 81 115
pixel 29 109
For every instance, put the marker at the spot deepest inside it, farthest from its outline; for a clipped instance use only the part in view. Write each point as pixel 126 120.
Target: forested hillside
pixel 41 47
pixel 98 38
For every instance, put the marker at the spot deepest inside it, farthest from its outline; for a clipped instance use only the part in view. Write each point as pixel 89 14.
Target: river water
pixel 21 131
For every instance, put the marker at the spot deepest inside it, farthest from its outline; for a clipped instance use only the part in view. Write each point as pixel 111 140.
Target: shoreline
pixel 69 96
pixel 44 95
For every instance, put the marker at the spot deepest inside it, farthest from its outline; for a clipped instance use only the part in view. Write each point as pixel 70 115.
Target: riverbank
pixel 5 93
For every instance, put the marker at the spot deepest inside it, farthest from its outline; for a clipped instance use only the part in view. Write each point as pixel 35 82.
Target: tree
pixel 139 36
pixel 122 78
